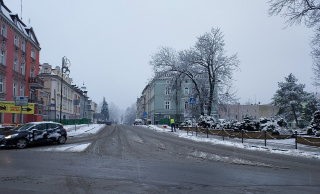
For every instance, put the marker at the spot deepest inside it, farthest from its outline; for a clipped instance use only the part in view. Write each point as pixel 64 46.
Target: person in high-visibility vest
pixel 173 125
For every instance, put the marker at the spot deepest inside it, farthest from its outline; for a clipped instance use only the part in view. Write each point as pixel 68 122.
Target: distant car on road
pixel 138 122
pixel 33 133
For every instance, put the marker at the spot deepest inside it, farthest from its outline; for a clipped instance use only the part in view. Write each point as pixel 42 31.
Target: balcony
pixel 36 83
pixel 36 100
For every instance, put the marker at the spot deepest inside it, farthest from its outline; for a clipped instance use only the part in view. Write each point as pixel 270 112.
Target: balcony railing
pixel 36 101
pixel 36 82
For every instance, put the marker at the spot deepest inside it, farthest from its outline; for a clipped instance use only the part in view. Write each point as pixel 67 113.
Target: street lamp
pixel 64 70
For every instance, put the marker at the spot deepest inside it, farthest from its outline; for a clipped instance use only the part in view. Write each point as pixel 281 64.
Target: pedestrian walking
pixel 173 125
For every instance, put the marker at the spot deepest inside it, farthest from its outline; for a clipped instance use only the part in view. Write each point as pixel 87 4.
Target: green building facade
pixel 159 102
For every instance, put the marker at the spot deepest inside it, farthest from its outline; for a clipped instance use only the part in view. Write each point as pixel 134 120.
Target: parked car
pixel 138 122
pixel 33 133
pixel 6 127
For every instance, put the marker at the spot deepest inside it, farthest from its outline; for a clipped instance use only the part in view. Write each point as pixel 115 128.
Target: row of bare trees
pixel 206 64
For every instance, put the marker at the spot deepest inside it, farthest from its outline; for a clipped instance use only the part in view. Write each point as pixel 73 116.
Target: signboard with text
pixel 21 100
pixel 9 107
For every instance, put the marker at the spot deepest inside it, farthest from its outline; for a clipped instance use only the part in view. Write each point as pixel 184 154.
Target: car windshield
pixel 25 127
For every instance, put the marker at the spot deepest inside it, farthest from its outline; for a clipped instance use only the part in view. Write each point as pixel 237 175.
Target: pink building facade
pixel 19 66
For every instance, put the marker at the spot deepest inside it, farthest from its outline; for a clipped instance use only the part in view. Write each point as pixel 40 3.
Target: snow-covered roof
pixel 13 18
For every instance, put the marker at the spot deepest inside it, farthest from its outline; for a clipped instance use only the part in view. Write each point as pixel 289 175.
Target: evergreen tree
pixel 290 98
pixel 311 106
pixel 104 110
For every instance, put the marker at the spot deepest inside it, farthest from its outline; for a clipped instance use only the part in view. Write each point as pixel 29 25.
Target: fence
pixel 264 135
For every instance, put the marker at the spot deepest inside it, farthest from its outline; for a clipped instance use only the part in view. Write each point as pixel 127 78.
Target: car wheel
pixel 62 139
pixel 21 143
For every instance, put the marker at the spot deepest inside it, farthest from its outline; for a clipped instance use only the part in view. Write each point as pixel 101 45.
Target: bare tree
pixel 114 112
pixel 204 63
pixel 179 67
pixel 130 114
pixel 209 53
pixel 302 11
pixel 296 11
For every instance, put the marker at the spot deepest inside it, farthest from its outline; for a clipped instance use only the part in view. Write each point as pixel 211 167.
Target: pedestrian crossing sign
pixel 192 101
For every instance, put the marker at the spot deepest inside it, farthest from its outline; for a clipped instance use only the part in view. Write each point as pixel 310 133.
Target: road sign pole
pixel 21 121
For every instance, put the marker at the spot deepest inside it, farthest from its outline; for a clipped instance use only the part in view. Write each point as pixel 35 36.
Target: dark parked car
pixel 33 133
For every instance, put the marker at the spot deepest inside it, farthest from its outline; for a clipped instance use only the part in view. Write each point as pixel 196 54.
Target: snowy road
pixel 286 146
pixel 136 159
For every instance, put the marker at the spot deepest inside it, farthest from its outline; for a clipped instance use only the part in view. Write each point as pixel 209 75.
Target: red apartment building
pixel 19 66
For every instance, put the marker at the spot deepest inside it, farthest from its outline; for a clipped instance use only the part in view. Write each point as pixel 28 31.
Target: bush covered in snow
pixel 276 126
pixel 207 122
pixel 189 123
pixel 314 128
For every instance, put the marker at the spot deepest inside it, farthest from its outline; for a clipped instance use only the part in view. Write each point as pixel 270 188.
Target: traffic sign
pixel 21 100
pixel 9 107
pixel 145 115
pixel 192 101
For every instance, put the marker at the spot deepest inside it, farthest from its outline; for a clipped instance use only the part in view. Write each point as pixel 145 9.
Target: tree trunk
pixel 294 114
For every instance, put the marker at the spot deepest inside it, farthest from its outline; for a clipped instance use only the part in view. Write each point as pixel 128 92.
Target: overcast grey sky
pixel 109 43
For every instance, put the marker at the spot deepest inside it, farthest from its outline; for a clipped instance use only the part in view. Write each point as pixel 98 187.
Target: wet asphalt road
pixel 133 159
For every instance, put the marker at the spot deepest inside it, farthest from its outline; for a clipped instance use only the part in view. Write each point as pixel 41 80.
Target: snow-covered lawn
pixel 285 146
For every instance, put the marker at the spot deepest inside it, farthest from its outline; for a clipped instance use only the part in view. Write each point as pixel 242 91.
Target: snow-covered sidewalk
pixel 83 129
pixel 74 131
pixel 285 146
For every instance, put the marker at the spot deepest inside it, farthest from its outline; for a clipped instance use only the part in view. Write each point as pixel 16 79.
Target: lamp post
pixel 64 70
pixel 227 94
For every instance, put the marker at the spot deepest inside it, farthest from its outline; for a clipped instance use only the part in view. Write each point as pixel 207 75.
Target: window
pixel 23 45
pixel 15 65
pixel 206 106
pixel 2 84
pixel 186 90
pixel 46 70
pixel 186 104
pixel 1 117
pixel 32 73
pixel 3 30
pixel 13 118
pixel 168 91
pixel 54 126
pixel 16 40
pixel 23 69
pixel 58 100
pixel 33 53
pixel 3 57
pixel 32 95
pixel 15 88
pixel 21 118
pixel 41 127
pixel 167 105
pixel 22 90
pixel 193 90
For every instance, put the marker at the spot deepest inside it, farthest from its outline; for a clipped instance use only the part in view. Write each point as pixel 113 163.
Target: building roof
pixel 17 23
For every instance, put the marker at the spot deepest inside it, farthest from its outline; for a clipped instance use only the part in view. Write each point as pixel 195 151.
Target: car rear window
pixel 54 126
